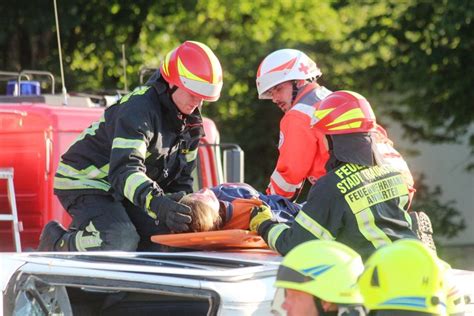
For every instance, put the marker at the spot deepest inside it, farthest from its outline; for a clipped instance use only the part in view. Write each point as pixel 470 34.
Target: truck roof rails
pixel 54 100
pixel 9 75
pixel 36 72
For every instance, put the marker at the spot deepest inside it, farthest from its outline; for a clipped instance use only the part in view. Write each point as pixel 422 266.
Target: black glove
pixel 168 210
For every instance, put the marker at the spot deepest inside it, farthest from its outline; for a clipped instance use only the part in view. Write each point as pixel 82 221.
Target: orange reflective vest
pixel 303 154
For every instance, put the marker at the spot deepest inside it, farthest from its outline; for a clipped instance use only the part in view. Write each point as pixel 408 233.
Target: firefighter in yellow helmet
pixel 122 179
pixel 404 278
pixel 358 202
pixel 319 278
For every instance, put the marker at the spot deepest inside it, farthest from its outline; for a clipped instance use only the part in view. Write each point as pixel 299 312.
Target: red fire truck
pixel 36 129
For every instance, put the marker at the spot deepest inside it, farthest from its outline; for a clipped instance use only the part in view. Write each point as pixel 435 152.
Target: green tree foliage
pixel 423 52
pixel 92 35
pixel 420 51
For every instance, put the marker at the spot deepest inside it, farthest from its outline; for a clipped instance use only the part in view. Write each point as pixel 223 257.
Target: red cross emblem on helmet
pixel 303 68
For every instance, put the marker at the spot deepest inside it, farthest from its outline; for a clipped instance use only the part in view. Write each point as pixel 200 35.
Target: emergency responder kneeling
pixel 123 178
pixel 319 278
pixel 360 202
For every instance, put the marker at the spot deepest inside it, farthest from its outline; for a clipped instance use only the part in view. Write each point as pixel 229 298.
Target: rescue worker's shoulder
pixel 138 103
pixel 295 117
pixel 324 188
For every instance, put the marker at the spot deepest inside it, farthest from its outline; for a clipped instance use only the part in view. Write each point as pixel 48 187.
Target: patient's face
pixel 208 197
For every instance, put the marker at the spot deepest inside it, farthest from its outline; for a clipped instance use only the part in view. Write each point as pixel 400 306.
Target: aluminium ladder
pixel 7 174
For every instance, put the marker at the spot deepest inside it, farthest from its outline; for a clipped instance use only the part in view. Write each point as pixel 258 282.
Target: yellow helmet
pixel 404 275
pixel 325 269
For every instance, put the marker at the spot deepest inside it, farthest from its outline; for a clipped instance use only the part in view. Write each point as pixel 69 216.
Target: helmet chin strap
pixel 172 90
pixel 294 92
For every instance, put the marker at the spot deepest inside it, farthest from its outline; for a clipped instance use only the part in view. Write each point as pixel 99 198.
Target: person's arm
pixel 131 133
pixel 297 149
pixel 317 220
pixel 185 180
pixel 386 153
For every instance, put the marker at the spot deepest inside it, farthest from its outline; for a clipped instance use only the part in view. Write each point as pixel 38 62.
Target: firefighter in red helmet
pixel 360 202
pixel 122 179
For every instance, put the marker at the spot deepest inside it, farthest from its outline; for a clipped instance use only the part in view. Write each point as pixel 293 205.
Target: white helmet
pixel 284 65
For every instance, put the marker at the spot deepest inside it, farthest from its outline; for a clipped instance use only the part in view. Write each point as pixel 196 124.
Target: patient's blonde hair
pixel 204 217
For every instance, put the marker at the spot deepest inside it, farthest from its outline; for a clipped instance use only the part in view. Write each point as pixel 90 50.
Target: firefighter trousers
pixel 98 223
pixel 101 223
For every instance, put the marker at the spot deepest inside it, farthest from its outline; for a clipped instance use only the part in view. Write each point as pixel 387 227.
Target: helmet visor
pixel 286 274
pixel 208 91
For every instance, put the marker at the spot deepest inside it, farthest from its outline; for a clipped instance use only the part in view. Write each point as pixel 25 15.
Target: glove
pixel 176 196
pixel 168 210
pixel 259 215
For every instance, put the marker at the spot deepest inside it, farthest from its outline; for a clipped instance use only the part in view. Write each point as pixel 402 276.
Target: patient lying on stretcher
pixel 228 206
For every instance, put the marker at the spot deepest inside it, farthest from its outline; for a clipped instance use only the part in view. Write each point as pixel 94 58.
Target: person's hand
pixel 268 191
pixel 176 196
pixel 258 216
pixel 168 210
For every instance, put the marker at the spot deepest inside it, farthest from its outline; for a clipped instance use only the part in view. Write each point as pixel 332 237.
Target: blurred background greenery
pixel 412 59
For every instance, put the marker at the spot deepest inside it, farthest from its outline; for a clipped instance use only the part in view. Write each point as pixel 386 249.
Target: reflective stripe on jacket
pixel 362 207
pixel 142 146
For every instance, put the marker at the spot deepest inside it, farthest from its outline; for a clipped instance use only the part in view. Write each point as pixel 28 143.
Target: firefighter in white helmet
pixel 289 78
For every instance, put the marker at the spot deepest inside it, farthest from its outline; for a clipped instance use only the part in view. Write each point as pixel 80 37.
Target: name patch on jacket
pixel 376 192
pixel 364 187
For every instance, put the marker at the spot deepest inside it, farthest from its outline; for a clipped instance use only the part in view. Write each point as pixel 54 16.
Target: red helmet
pixel 344 112
pixel 192 66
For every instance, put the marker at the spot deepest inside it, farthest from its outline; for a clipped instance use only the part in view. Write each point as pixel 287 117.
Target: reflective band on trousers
pixel 137 144
pixel 282 184
pixel 92 240
pixel 313 227
pixel 366 222
pixel 133 181
pixel 274 233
